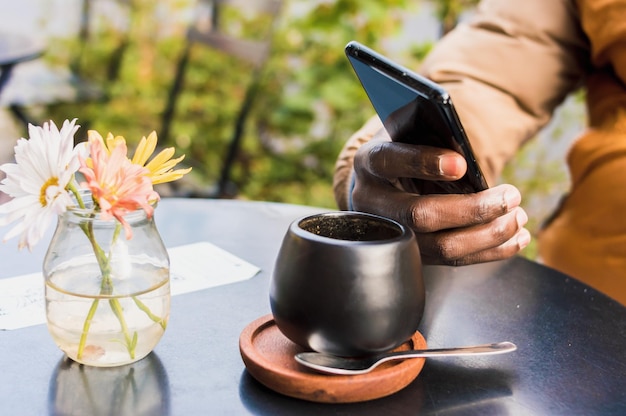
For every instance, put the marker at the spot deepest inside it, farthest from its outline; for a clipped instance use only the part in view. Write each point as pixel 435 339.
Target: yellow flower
pixel 109 143
pixel 161 167
pixel 118 185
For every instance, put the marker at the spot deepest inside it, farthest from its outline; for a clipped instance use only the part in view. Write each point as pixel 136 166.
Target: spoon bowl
pixel 331 364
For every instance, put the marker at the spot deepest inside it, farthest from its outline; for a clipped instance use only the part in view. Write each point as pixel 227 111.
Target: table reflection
pixel 141 388
pixel 260 400
pixel 472 390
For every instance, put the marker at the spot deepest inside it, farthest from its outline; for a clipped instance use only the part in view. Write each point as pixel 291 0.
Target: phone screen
pixel 415 110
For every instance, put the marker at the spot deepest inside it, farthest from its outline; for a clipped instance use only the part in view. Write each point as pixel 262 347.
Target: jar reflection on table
pixel 141 388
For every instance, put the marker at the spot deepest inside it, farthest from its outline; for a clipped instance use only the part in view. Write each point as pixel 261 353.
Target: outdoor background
pixel 308 105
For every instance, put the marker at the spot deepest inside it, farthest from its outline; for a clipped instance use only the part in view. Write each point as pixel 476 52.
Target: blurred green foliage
pixel 310 100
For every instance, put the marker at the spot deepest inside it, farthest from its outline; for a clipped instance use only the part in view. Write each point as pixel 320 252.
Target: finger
pixel 497 239
pixel 432 213
pixel 390 161
pixel 504 251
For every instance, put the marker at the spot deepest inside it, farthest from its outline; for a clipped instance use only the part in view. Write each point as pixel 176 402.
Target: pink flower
pixel 117 185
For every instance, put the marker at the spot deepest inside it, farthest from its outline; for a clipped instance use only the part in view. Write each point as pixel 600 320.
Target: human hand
pixel 452 229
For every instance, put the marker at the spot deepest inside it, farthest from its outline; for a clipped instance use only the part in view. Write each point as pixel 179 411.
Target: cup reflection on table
pixel 140 388
pixel 347 283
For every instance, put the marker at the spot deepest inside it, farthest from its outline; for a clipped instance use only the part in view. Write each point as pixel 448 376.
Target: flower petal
pixel 145 149
pixel 45 164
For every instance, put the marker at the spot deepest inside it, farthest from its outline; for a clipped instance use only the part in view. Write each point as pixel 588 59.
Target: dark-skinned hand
pixel 457 229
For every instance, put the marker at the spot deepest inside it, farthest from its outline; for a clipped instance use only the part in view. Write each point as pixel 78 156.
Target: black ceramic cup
pixel 348 284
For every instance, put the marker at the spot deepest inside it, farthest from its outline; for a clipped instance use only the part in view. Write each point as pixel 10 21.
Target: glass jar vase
pixel 107 287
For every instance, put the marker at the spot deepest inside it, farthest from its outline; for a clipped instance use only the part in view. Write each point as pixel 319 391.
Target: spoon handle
pixel 485 349
pixel 350 366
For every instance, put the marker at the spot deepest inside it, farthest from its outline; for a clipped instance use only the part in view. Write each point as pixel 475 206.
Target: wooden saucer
pixel 268 356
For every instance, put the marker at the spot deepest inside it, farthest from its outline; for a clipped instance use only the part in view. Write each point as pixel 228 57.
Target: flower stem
pixel 148 312
pixel 119 313
pixel 86 326
pixel 106 288
pixel 71 186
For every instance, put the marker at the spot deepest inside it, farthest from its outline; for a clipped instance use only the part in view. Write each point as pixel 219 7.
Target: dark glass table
pixel 571 357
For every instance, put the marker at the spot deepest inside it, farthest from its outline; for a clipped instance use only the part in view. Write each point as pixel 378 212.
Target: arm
pixel 342 179
pixel 506 71
pixel 604 22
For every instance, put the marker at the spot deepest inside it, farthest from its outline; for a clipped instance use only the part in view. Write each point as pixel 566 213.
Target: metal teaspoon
pixel 331 364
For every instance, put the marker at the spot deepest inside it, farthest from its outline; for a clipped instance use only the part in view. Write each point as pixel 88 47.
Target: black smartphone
pixel 415 110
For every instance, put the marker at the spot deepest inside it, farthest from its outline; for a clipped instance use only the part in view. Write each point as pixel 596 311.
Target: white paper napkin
pixel 193 267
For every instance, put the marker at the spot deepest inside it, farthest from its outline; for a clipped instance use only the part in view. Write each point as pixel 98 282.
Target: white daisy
pixel 45 165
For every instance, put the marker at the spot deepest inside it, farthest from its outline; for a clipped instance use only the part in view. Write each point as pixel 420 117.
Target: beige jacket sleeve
pixel 506 70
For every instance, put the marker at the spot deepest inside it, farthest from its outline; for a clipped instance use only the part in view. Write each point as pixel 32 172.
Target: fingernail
pixel 523 238
pixel 521 217
pixel 450 165
pixel 511 199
